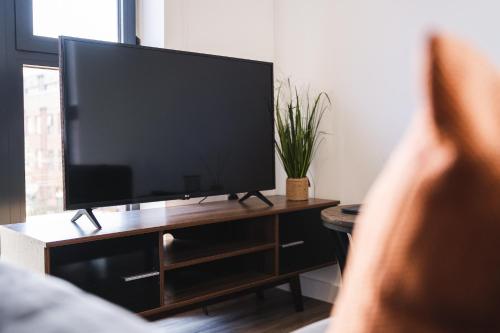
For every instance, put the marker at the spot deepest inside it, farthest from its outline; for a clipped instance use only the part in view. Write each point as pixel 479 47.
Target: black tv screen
pixel 145 124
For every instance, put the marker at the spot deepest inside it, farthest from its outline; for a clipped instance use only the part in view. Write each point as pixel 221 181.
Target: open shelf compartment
pixel 212 279
pixel 201 244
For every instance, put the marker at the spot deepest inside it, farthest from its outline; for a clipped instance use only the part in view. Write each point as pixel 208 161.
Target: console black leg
pixel 90 215
pixel 341 248
pixel 258 195
pixel 296 290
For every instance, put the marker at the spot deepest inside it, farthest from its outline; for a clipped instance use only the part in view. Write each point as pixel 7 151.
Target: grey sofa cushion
pixel 34 303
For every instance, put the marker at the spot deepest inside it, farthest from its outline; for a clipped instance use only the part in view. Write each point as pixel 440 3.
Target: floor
pixel 275 313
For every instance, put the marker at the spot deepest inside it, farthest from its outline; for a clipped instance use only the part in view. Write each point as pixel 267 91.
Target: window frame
pixel 26 41
pixel 18 49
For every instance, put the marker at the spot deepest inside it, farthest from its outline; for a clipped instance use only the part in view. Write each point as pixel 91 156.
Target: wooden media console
pixel 159 261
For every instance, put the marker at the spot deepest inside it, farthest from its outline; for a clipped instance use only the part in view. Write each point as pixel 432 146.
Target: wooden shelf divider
pixel 203 253
pixel 213 287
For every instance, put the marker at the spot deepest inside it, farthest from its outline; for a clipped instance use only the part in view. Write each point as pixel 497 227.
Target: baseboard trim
pixel 322 284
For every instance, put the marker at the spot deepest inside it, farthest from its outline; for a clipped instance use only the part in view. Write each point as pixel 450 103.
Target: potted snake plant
pixel 297 124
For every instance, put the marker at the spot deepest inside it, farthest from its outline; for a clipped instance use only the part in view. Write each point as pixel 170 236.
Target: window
pixel 42 148
pixel 40 22
pixel 29 60
pixel 50 123
pixel 93 19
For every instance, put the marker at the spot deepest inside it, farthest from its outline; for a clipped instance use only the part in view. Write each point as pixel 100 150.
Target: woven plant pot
pixel 297 189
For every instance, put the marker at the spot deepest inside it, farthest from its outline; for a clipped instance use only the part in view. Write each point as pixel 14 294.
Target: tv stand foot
pixel 258 195
pixel 232 196
pixel 90 215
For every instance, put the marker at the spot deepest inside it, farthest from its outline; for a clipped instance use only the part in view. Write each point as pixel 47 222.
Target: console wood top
pixel 57 229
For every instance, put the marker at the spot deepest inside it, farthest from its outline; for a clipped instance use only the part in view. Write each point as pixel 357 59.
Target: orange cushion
pixel 426 250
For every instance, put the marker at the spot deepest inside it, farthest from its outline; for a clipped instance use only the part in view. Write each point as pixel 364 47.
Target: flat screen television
pixel 144 124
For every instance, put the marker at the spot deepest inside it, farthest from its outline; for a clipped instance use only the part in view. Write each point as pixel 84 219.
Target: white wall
pixel 151 22
pixel 367 56
pixel 239 28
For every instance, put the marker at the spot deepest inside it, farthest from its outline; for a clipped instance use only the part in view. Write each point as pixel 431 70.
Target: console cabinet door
pixel 304 241
pixel 124 271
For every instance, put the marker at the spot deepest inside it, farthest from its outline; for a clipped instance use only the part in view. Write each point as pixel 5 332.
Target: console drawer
pixel 124 271
pixel 304 241
pixel 292 256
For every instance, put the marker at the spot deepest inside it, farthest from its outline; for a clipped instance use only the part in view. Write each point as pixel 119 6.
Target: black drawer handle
pixel 292 244
pixel 139 276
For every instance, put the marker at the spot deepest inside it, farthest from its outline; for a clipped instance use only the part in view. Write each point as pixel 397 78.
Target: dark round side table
pixel 341 225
